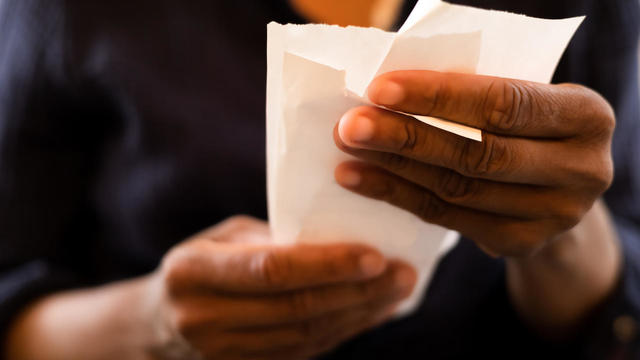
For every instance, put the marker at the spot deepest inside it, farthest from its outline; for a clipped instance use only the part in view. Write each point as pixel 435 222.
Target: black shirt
pixel 126 126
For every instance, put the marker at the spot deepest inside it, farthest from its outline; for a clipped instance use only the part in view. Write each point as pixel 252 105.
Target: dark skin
pixel 520 183
pixel 230 293
pixel 225 293
pixel 520 193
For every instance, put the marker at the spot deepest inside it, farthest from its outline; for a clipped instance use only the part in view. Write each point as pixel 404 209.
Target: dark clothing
pixel 126 126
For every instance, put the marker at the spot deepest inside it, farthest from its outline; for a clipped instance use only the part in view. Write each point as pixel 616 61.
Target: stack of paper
pixel 318 72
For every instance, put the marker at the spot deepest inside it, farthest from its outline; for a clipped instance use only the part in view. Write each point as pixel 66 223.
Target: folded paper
pixel 318 72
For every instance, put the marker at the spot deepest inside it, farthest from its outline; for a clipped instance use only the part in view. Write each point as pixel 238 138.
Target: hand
pixel 229 294
pixel 544 159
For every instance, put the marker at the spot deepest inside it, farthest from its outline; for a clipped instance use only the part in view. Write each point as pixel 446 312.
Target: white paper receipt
pixel 318 72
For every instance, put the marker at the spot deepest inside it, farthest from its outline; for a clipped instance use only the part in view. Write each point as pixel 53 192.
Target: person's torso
pixel 186 149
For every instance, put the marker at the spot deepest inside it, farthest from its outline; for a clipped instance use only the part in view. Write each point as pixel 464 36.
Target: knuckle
pixel 397 162
pixel 301 304
pixel 514 239
pixel 270 268
pixel 601 176
pixel 568 216
pixel 433 97
pixel 384 189
pixel 606 176
pixel 175 269
pixel 315 328
pixel 230 230
pixel 504 104
pixel 526 243
pixel 181 321
pixel 596 175
pixel 456 188
pixel 240 222
pixel 490 157
pixel 527 248
pixel 430 208
pixel 409 139
pixel 368 291
pixel 607 119
pixel 342 263
pixel 602 113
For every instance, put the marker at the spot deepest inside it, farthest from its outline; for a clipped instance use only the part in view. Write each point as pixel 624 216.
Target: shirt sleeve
pixel 612 333
pixel 47 150
pixel 607 61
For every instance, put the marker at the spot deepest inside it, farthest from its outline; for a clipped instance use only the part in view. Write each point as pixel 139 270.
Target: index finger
pixel 238 268
pixel 497 105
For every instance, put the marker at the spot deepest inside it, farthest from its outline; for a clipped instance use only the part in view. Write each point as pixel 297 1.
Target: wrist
pixel 134 315
pixel 98 323
pixel 558 287
pixel 591 242
pixel 562 253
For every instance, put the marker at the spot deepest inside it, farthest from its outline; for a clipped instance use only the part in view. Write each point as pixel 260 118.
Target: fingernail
pixel 386 93
pixel 348 177
pixel 404 279
pixel 355 129
pixel 372 264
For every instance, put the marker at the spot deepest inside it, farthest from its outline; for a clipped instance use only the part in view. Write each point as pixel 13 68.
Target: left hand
pixel 543 161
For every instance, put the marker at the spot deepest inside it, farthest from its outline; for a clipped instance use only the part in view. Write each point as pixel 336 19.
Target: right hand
pixel 229 293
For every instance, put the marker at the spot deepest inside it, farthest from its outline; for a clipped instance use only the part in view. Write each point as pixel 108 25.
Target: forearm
pixel 554 290
pixel 99 323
